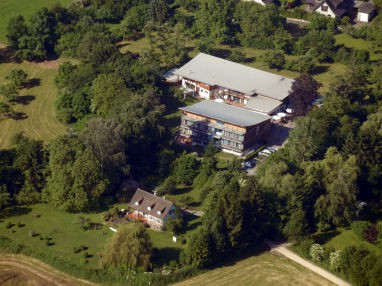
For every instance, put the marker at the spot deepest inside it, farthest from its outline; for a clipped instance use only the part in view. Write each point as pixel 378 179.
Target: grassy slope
pixel 63 227
pixel 345 238
pixel 66 233
pixel 265 269
pixel 41 122
pixel 11 8
pixel 346 40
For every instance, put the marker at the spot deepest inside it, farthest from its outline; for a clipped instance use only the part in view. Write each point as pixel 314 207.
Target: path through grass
pixel 38 106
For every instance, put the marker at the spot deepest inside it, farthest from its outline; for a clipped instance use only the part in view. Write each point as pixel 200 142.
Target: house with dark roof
pixel 151 209
pixel 210 77
pixel 332 8
pixel 366 12
pixel 233 129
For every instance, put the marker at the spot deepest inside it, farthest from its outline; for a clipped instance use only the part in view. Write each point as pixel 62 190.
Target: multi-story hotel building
pixel 211 77
pixel 233 129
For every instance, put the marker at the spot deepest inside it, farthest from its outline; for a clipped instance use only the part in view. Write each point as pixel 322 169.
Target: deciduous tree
pixel 303 91
pixel 130 247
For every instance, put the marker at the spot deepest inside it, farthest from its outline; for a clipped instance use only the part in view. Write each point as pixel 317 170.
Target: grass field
pixel 343 238
pixel 38 106
pixel 265 269
pixel 66 233
pixel 11 8
pixel 23 270
pixel 346 40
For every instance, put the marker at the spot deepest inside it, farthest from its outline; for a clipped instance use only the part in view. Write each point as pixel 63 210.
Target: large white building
pixel 211 77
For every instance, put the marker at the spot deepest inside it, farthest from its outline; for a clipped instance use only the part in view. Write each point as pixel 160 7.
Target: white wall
pixel 326 13
pixel 363 17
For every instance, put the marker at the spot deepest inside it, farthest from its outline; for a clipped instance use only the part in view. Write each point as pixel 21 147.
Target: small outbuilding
pixel 366 12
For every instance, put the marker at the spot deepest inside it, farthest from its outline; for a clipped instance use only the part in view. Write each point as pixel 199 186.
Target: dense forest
pixel 328 175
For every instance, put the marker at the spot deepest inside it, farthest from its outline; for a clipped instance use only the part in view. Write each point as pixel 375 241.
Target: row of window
pixel 230 143
pixel 213 130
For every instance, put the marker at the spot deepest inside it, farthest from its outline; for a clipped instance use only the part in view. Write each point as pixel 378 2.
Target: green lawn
pixel 264 269
pixel 61 226
pixel 346 40
pixel 38 106
pixel 11 8
pixel 343 238
pixel 223 159
pixel 66 233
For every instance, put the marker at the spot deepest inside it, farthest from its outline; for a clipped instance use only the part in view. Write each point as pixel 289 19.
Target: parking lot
pixel 276 138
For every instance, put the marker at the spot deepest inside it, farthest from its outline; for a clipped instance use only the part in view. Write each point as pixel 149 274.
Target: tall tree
pixel 17 77
pixel 31 161
pixel 106 88
pixel 106 140
pixel 130 247
pixel 214 20
pixel 338 206
pixel 16 28
pixel 77 181
pixel 303 91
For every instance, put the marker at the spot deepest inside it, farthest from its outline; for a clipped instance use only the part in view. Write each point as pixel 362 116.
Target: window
pixel 324 8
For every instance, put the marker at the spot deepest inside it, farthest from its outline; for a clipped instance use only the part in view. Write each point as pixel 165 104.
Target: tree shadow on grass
pixel 182 190
pixel 221 53
pixel 165 255
pixel 320 69
pixel 322 238
pixel 14 211
pixel 242 254
pixel 32 83
pixel 25 99
pixel 19 116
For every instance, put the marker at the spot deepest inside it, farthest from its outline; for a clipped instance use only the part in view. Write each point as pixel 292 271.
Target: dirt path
pixel 281 248
pixel 22 270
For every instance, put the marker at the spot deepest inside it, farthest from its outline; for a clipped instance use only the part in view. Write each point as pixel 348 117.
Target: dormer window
pixel 159 212
pixel 151 207
pixel 324 8
pixel 137 203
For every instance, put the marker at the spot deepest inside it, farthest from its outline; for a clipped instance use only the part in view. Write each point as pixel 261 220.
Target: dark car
pixel 250 163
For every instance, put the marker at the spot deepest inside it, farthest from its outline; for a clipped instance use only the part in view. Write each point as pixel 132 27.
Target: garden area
pixel 79 238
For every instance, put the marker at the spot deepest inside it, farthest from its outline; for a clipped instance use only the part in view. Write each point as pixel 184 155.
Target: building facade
pixel 151 209
pixel 210 77
pixel 232 129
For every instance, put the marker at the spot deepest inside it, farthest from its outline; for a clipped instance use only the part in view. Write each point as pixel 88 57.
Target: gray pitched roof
pixel 366 7
pixel 226 113
pixel 216 71
pixel 146 199
pixel 262 104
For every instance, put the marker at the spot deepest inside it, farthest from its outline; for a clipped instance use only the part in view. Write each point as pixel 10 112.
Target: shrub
pixel 83 261
pixel 186 201
pixel 274 59
pixel 31 233
pixel 335 260
pixel 8 225
pixel 85 254
pixel 83 247
pixel 76 249
pixel 371 234
pixel 359 228
pixel 379 229
pixel 19 224
pixel 304 247
pixel 316 252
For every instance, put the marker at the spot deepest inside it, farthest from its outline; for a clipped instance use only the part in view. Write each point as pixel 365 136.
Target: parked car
pixel 263 153
pixel 250 163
